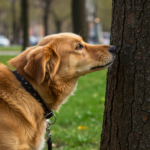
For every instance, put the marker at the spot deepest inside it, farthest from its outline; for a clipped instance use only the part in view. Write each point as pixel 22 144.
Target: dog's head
pixel 63 56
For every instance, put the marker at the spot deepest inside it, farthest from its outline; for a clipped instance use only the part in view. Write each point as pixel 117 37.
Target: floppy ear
pixel 37 60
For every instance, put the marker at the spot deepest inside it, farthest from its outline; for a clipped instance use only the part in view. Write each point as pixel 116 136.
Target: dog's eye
pixel 79 46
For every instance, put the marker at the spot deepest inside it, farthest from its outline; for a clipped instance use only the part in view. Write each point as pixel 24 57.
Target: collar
pixel 28 87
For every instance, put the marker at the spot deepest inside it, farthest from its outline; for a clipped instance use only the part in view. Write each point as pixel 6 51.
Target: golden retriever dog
pixel 52 67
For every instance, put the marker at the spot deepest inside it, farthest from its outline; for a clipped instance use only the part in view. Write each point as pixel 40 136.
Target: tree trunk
pixel 13 22
pixel 58 24
pixel 5 29
pixel 25 23
pixel 15 26
pixel 79 18
pixel 126 124
pixel 46 15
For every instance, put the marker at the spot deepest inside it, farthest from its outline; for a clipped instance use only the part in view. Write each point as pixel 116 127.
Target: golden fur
pixel 53 67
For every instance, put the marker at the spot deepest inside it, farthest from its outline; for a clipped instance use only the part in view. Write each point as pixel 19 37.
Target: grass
pixel 5 59
pixel 85 108
pixel 11 48
pixel 79 120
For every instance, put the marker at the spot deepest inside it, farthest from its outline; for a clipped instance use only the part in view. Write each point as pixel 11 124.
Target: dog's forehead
pixel 65 36
pixel 69 35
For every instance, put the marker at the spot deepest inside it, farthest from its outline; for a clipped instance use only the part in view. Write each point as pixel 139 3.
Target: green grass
pixel 11 48
pixel 84 108
pixel 5 59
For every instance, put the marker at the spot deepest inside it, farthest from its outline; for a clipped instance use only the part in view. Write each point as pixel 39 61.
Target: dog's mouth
pixel 108 64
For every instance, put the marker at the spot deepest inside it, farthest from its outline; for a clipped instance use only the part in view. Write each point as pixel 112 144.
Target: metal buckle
pixel 49 114
pixel 48 126
pixel 54 117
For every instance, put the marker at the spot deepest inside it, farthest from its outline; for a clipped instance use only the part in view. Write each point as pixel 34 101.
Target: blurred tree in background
pixel 61 15
pixel 79 18
pixel 44 17
pixel 25 23
pixel 46 11
pixel 45 7
pixel 15 24
pixel 5 11
pixel 104 13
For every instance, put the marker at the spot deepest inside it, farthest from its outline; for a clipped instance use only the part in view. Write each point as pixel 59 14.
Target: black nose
pixel 112 49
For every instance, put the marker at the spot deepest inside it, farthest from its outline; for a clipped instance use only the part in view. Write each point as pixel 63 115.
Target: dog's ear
pixel 37 60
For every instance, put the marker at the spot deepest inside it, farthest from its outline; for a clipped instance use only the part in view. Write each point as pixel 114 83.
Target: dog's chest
pixel 41 141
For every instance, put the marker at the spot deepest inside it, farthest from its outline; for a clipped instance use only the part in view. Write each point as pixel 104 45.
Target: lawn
pixel 79 120
pixel 11 48
pixel 5 59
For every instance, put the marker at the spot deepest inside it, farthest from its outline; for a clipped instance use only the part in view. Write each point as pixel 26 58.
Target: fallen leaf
pixel 82 127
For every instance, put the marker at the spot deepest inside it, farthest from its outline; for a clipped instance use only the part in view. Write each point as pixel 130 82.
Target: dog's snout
pixel 112 49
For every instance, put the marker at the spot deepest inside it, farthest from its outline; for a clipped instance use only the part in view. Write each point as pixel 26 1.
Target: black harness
pixel 28 87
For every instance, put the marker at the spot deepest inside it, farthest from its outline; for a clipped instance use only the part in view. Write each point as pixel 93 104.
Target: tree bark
pixel 79 18
pixel 25 23
pixel 126 124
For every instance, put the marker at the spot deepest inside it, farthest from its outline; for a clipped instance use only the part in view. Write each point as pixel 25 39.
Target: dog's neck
pixel 57 93
pixel 53 94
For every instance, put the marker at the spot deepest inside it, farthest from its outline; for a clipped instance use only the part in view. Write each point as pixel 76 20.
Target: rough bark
pixel 25 23
pixel 126 124
pixel 79 18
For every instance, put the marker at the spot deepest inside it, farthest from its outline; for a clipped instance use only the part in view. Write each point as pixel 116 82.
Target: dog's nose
pixel 112 49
